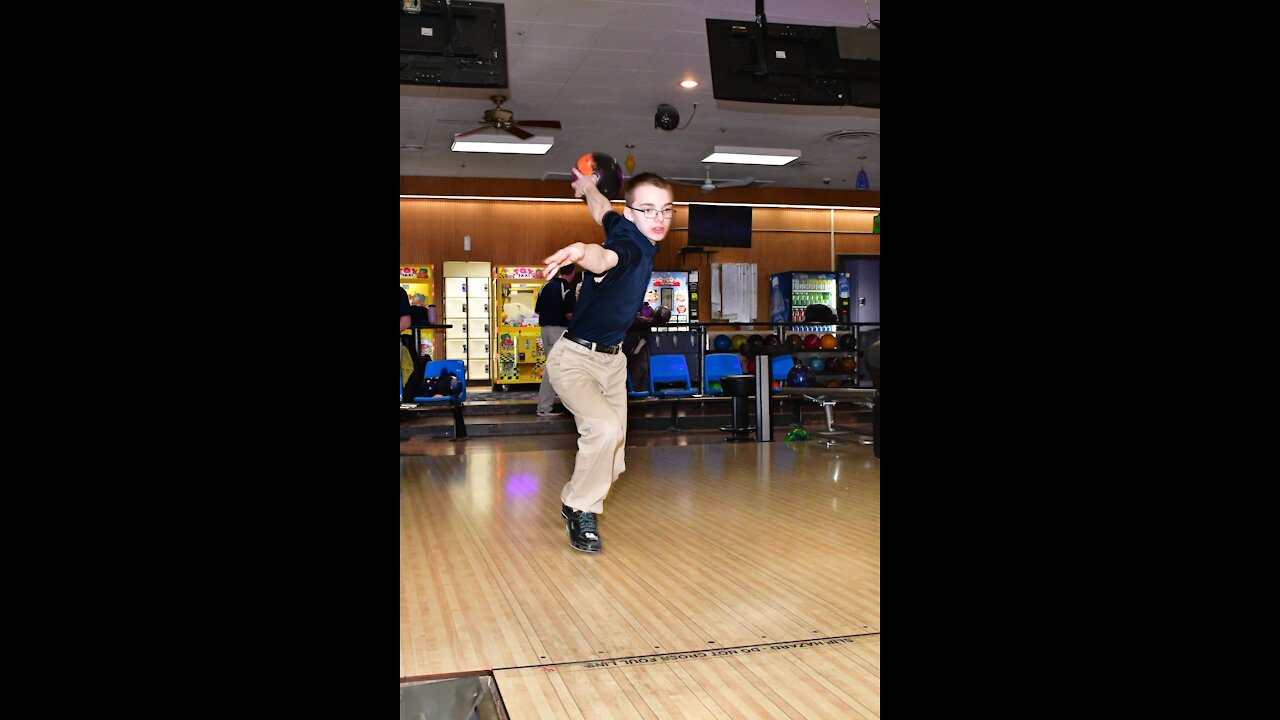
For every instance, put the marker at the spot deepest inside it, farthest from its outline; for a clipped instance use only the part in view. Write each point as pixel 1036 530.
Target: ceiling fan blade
pixel 472 132
pixel 554 124
pixel 518 132
pixel 737 183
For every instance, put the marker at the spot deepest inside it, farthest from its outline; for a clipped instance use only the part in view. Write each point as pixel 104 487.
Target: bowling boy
pixel 589 373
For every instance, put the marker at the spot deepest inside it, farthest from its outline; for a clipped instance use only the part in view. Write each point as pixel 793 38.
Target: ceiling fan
pixel 708 184
pixel 500 119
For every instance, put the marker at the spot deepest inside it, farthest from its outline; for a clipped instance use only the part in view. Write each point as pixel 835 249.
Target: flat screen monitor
pixel 720 225
pixel 457 44
pixel 794 64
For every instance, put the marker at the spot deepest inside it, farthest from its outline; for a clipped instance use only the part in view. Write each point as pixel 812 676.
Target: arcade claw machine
pixel 518 355
pixel 417 280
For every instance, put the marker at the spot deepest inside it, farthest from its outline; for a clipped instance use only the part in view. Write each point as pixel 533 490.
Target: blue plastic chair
pixel 669 369
pixel 433 368
pixel 635 393
pixel 716 366
pixel 779 366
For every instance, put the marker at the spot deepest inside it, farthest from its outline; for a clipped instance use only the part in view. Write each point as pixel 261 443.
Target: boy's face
pixel 648 197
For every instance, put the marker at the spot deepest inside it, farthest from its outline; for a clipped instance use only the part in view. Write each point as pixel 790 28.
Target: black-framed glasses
pixel 650 213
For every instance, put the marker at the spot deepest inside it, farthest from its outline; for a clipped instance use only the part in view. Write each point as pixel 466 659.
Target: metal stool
pixel 740 388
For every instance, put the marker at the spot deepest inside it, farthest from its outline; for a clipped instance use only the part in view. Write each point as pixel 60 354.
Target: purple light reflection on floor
pixel 522 486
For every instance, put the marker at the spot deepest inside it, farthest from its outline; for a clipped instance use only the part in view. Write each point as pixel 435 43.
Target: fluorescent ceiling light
pixel 751 156
pixel 503 144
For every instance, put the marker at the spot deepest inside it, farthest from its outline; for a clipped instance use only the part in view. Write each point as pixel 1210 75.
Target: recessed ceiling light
pixel 751 156
pixel 502 144
pixel 689 84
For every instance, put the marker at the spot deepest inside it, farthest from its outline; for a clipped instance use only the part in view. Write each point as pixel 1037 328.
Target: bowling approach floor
pixel 737 580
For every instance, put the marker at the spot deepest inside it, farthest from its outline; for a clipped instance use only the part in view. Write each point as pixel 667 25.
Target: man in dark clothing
pixel 554 308
pixel 588 371
pixel 405 319
pixel 418 309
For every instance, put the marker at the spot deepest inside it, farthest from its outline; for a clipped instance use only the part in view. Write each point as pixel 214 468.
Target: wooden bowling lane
pixel 836 678
pixel 706 546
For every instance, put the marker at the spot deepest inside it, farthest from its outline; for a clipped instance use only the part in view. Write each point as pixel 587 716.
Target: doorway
pixel 864 304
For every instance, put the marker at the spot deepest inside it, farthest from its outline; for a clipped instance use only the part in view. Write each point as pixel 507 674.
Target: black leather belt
pixel 606 349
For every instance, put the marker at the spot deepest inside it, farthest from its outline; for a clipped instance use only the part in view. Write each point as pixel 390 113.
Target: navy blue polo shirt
pixel 607 308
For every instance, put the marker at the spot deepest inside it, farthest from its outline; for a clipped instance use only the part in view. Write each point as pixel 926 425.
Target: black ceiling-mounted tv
pixel 794 64
pixel 720 225
pixel 456 44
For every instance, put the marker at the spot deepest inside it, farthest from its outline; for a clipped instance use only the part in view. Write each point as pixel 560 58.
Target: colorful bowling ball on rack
pixel 828 342
pixel 607 171
pixel 795 341
pixel 848 365
pixel 772 341
pixel 810 342
pixel 738 342
pixel 817 364
pixel 846 341
pixel 721 343
pixel 833 364
pixel 799 376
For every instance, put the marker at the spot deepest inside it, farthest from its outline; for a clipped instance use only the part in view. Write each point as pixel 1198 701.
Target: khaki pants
pixel 593 386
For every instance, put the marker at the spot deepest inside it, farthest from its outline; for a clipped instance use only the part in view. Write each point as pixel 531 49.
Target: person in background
pixel 588 371
pixel 554 307
pixel 418 309
pixel 406 357
pixel 405 315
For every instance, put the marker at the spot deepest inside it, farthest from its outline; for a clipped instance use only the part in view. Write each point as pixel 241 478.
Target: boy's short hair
pixel 647 178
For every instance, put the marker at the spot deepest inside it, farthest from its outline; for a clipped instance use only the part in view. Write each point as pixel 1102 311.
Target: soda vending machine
pixel 677 291
pixel 518 355
pixel 791 292
pixel 417 282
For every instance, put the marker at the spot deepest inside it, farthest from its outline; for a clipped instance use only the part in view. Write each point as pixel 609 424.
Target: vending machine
pixel 417 281
pixel 791 292
pixel 518 356
pixel 677 291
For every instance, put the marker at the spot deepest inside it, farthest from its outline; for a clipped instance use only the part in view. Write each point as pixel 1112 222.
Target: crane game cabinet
pixel 518 353
pixel 418 282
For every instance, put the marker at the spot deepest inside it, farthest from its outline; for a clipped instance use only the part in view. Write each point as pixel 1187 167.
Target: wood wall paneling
pixel 523 233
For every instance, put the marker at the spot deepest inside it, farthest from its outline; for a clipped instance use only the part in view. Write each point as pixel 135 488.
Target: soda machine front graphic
pixel 791 293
